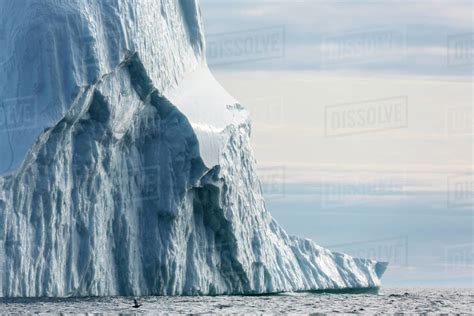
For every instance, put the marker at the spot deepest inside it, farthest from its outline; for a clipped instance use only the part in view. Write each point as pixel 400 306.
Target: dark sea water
pixel 388 300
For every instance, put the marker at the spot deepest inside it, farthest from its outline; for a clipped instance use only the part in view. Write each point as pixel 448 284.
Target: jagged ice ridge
pixel 137 177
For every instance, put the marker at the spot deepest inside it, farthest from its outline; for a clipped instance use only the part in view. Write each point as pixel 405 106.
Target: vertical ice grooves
pixel 116 198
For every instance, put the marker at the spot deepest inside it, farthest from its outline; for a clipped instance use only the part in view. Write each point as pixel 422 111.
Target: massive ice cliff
pixel 126 168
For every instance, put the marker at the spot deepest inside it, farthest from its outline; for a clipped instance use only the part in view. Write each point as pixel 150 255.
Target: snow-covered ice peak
pixel 137 176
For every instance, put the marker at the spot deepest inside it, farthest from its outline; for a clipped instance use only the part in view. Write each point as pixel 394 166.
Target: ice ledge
pixel 210 110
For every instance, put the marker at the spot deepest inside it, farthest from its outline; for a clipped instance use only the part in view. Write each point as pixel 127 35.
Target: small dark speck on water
pixel 136 304
pixel 388 301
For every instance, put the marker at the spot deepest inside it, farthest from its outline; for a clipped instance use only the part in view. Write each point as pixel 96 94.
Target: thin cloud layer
pixel 390 37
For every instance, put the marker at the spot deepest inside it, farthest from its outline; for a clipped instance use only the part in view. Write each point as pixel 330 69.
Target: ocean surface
pixel 388 300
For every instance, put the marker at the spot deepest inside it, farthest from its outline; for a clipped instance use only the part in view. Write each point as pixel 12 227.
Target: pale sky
pixel 421 31
pixel 401 73
pixel 305 56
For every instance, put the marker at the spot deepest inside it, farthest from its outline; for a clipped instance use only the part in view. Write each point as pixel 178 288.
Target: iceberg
pixel 126 169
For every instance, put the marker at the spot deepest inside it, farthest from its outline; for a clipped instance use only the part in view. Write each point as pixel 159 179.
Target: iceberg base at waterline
pixel 145 183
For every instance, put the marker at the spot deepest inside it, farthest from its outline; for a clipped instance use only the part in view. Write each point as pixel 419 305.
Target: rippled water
pixel 391 300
